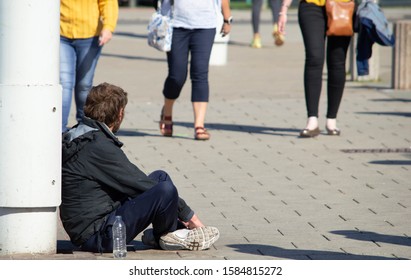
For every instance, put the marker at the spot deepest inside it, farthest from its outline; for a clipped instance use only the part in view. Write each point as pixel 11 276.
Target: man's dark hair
pixel 104 103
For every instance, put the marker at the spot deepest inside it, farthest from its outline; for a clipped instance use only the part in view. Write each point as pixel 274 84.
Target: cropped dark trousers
pixel 313 24
pixel 195 44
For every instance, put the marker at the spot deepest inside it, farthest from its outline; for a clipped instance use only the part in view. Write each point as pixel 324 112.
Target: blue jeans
pixel 199 43
pixel 157 206
pixel 78 61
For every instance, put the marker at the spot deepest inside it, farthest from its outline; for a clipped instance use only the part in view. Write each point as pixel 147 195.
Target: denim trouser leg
pixel 78 61
pixel 67 77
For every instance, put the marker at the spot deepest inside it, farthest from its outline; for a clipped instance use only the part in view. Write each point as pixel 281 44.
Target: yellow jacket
pixel 322 2
pixel 80 19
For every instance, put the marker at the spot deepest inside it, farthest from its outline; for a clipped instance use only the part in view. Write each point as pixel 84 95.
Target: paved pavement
pixel 271 194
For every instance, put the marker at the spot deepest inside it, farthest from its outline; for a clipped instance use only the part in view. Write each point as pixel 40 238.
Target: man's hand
pixel 193 223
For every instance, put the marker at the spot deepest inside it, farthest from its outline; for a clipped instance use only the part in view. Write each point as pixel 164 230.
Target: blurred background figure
pixel 319 48
pixel 85 27
pixel 255 20
pixel 195 25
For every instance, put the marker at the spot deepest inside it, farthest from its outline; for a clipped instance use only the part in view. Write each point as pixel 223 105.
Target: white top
pixel 193 14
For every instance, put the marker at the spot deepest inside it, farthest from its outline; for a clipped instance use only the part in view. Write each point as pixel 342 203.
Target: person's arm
pixel 282 19
pixel 109 14
pixel 225 9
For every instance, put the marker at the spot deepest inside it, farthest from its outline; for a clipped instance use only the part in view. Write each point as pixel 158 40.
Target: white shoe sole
pixel 196 240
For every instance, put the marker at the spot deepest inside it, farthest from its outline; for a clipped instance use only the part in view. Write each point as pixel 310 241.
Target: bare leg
pixel 200 109
pixel 168 107
pixel 166 121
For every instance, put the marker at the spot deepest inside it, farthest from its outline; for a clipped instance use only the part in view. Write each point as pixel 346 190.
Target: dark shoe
pixel 166 124
pixel 333 132
pixel 201 133
pixel 306 133
pixel 148 238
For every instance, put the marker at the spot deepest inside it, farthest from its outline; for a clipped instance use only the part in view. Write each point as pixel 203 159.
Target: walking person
pixel 99 182
pixel 195 24
pixel 312 20
pixel 85 27
pixel 275 6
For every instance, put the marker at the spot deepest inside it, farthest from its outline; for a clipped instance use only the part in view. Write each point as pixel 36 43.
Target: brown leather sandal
pixel 201 133
pixel 166 124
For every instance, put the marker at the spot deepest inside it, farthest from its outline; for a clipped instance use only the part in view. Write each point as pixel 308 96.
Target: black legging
pixel 313 25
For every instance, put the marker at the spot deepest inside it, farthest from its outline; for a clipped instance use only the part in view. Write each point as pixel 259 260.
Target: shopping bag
pixel 160 30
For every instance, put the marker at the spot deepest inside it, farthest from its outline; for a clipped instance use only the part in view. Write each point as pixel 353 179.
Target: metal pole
pixel 30 120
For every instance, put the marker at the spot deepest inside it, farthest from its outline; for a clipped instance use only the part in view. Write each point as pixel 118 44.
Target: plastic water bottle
pixel 119 239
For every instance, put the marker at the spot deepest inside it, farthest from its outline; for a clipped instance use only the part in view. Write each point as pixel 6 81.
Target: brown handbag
pixel 340 17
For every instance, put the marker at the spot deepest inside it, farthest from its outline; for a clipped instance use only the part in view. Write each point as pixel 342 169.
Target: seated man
pixel 99 182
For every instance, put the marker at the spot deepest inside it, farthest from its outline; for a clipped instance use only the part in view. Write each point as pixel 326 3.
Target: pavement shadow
pixel 397 114
pixel 132 35
pixel 133 132
pixel 374 237
pixel 66 247
pixel 279 131
pixel 391 162
pixel 218 126
pixel 300 254
pixel 404 100
pixel 133 57
pixel 137 133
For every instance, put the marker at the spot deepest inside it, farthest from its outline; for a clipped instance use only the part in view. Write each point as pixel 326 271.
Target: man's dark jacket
pixel 96 178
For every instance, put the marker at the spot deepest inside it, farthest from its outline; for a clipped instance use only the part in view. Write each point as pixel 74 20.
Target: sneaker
pixel 190 239
pixel 256 42
pixel 148 238
pixel 279 38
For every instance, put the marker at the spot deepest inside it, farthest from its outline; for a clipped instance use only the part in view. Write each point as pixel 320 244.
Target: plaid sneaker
pixel 148 238
pixel 190 239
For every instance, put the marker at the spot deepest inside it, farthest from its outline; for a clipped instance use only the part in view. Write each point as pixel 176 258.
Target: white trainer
pixel 196 239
